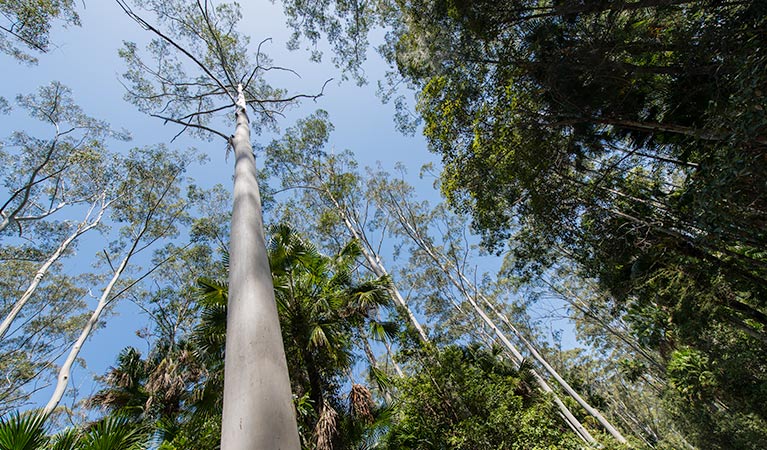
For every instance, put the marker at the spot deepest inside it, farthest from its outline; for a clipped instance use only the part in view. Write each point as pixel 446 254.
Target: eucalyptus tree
pixel 26 25
pixel 627 136
pixel 44 330
pixel 470 398
pixel 203 66
pixel 299 158
pixel 72 170
pixel 41 176
pixel 395 197
pixel 56 191
pixel 323 305
pixel 301 163
pixel 150 208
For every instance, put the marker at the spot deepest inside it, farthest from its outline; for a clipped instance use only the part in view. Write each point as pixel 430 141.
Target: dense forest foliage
pixel 612 154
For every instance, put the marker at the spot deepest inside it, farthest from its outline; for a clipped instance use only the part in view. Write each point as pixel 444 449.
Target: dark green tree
pixel 468 398
pixel 626 136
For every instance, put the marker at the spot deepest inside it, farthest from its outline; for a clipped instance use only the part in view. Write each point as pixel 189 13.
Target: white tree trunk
pixel 565 385
pixel 466 288
pixel 378 269
pixel 258 408
pixel 82 228
pixel 394 363
pixel 574 423
pixel 66 369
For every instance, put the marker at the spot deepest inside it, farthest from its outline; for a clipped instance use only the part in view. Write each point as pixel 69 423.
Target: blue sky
pixel 85 59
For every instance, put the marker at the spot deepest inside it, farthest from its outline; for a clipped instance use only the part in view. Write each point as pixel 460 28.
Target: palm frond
pixel 212 292
pixel 68 439
pixel 22 431
pixel 382 379
pixel 318 338
pixel 114 432
pixel 381 330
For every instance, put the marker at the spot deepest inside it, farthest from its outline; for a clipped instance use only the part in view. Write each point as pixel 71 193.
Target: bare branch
pixel 167 39
pixel 192 125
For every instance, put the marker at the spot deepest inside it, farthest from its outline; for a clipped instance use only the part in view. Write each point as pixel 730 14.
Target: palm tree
pixel 109 433
pixel 152 392
pixel 324 309
pixel 323 306
pixel 29 432
pixel 23 431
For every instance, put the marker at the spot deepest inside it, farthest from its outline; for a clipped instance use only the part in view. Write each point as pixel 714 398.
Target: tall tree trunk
pixel 66 369
pixel 390 354
pixel 374 362
pixel 572 421
pixel 258 408
pixel 466 287
pixel 82 228
pixel 565 385
pixel 378 269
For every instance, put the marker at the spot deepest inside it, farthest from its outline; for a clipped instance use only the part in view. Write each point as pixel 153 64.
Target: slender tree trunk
pixel 565 385
pixel 378 269
pixel 66 368
pixel 258 409
pixel 374 363
pixel 465 286
pixel 82 228
pixel 390 354
pixel 574 423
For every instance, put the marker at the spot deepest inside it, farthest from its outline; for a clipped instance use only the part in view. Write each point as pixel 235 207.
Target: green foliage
pixel 29 432
pixel 64 171
pixel 627 137
pixel 112 433
pixel 178 389
pixel 22 432
pixel 608 133
pixel 689 374
pixel 344 23
pixel 467 398
pixel 29 22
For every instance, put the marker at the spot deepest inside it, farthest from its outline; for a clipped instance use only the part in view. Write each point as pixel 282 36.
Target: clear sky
pixel 85 59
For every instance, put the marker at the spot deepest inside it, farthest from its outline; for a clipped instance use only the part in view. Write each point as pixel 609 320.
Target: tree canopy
pixel 606 160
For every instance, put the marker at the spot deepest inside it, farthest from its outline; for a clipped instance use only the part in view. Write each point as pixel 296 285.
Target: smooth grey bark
pixel 380 270
pixel 394 363
pixel 143 236
pixel 65 371
pixel 469 292
pixel 565 385
pixel 572 421
pixel 374 262
pixel 258 408
pixel 82 228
